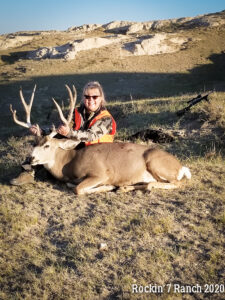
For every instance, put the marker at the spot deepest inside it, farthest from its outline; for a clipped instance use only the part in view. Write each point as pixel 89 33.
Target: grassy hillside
pixel 50 238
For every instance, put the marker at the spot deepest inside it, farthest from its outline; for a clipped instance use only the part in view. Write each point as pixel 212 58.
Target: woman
pixel 92 123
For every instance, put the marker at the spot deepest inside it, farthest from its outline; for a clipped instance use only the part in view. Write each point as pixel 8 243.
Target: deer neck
pixel 49 165
pixel 59 160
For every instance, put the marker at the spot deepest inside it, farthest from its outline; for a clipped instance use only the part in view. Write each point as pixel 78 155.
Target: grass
pixel 50 239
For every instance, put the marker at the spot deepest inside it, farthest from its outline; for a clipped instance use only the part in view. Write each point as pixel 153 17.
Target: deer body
pixel 107 165
pixel 61 168
pixel 100 160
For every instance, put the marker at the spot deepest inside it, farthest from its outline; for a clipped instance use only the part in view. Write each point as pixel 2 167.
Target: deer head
pixel 45 151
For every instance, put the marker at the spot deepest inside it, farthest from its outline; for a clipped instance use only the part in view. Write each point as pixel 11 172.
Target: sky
pixel 25 15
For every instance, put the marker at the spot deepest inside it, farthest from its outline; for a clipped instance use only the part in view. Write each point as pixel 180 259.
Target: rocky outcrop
pixel 14 40
pixel 128 27
pixel 20 38
pixel 153 44
pixel 137 27
pixel 209 20
pixel 85 28
pixel 156 44
pixel 117 26
pixel 68 51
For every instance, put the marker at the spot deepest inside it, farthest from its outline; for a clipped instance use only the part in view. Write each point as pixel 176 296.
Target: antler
pixel 73 98
pixel 27 108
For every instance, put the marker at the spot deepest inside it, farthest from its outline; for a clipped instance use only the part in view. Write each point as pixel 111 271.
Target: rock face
pixel 18 39
pixel 117 24
pixel 209 20
pixel 12 40
pixel 85 27
pixel 156 44
pixel 135 28
pixel 153 44
pixel 68 51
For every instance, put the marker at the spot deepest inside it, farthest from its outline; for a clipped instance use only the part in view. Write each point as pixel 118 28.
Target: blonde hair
pixel 94 85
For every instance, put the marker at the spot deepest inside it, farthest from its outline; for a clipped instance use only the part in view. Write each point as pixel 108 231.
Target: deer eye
pixel 46 146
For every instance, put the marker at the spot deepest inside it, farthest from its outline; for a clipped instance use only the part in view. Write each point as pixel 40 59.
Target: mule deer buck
pixel 103 167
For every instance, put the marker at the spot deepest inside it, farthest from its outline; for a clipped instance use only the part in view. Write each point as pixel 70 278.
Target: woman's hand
pixel 35 130
pixel 63 130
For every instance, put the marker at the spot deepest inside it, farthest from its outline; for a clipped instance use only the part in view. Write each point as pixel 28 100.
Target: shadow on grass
pixel 8 172
pixel 138 121
pixel 14 57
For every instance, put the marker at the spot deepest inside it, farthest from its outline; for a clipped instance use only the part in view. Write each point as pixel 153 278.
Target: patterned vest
pixel 107 138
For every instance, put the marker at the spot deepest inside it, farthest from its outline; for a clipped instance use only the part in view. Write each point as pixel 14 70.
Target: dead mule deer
pixel 103 167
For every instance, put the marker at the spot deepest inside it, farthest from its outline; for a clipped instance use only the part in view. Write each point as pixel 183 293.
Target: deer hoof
pixel 149 186
pixel 125 189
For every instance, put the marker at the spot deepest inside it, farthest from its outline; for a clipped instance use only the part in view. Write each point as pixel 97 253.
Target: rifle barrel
pixel 192 102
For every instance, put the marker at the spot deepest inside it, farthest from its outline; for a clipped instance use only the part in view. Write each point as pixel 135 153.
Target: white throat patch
pixel 49 165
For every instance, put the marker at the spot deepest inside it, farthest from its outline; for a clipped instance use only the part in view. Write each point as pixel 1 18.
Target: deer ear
pixel 68 144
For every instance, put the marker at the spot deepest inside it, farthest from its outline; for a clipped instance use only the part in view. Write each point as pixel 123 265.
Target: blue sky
pixel 19 15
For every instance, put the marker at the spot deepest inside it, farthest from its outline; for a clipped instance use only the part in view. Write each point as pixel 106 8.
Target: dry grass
pixel 50 247
pixel 50 238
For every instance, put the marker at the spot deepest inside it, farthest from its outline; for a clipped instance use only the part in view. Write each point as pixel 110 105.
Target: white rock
pixel 117 24
pixel 14 41
pixel 135 28
pixel 85 27
pixel 68 51
pixel 157 44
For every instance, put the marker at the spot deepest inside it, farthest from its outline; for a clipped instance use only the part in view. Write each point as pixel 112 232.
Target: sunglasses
pixel 89 97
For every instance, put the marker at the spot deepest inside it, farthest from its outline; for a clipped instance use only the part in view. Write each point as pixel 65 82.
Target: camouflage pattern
pixel 100 127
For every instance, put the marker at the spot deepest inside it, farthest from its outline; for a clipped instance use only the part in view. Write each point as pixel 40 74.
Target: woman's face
pixel 92 99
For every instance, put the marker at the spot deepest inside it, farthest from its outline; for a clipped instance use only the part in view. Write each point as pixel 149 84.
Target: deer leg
pixel 128 188
pixel 101 189
pixel 91 185
pixel 162 185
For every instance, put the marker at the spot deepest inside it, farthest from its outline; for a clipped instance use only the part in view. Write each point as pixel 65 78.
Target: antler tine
pixel 32 97
pixel 73 98
pixel 27 107
pixel 63 119
pixel 16 120
pixel 38 130
pixel 53 131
